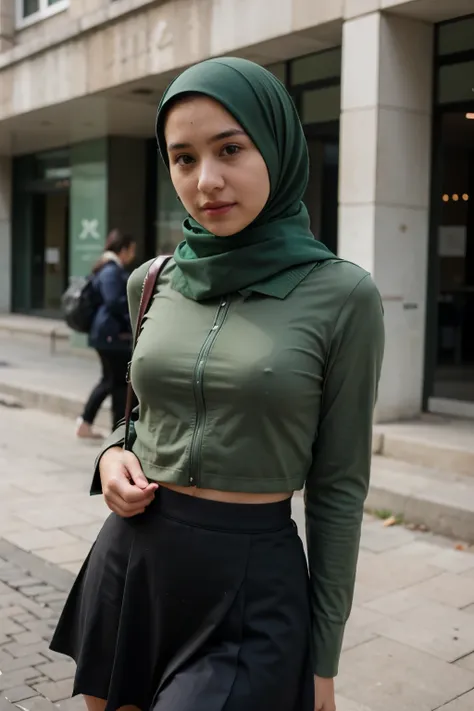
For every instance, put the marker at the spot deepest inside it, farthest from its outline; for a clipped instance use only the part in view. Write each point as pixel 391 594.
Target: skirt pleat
pixel 193 606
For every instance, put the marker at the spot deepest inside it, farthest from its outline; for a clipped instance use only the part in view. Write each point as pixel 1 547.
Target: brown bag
pixel 148 290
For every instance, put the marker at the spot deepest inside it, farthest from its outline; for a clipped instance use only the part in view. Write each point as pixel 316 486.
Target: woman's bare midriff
pixel 228 497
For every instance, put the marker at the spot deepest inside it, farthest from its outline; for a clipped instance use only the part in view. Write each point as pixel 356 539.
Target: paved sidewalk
pixel 409 644
pixel 58 383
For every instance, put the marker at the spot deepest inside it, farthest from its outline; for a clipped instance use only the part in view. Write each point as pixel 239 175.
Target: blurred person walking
pixel 111 333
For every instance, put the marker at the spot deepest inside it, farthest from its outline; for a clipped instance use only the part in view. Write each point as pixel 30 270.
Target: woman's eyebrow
pixel 218 137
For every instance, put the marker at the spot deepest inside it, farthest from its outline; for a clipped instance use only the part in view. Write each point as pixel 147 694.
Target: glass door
pixel 449 382
pixel 454 371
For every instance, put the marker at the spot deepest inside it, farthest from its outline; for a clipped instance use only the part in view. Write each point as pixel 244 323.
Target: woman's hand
pixel 126 489
pixel 324 696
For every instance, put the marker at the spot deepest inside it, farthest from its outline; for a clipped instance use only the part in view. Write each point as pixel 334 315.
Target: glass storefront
pixel 59 222
pixel 41 231
pixel 450 350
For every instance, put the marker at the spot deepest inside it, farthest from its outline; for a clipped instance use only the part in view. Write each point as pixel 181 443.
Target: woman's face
pixel 218 173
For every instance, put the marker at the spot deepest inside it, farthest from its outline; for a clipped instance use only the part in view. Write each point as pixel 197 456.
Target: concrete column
pixel 384 186
pixel 5 235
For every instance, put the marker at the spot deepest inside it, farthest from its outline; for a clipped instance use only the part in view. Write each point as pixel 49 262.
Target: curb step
pixel 433 442
pixel 440 500
pixel 65 405
pixel 9 401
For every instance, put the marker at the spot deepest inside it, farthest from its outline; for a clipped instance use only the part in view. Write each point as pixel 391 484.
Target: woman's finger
pixel 130 494
pixel 121 508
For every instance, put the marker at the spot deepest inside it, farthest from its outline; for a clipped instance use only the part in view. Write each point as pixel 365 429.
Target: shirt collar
pixel 282 284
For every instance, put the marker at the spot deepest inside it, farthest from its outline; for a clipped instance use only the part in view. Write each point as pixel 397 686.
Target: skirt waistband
pixel 245 518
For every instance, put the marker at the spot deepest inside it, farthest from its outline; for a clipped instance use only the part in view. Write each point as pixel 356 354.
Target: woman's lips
pixel 215 210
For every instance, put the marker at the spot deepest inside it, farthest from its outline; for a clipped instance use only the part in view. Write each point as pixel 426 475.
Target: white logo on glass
pixel 90 228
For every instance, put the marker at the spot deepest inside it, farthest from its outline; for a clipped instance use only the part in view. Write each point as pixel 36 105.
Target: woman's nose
pixel 210 178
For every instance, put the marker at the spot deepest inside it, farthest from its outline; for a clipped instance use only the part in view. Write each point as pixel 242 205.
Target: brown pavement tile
pixel 387 676
pixel 35 539
pixel 439 630
pixel 11 664
pixel 24 581
pixel 7 626
pixel 54 656
pixel 362 594
pixel 38 703
pixel 20 650
pixel 396 602
pixel 462 703
pixel 66 554
pixel 10 523
pixel 73 568
pixel 56 690
pixel 47 519
pixel 353 636
pixel 454 561
pixel 358 630
pixel 88 532
pixel 19 693
pixel 73 704
pixel 56 596
pixel 362 617
pixel 37 591
pixel 448 588
pixel 28 638
pixel 378 538
pixel 92 505
pixel 15 678
pixel 428 550
pixel 466 662
pixel 57 671
pixel 391 572
pixel 344 704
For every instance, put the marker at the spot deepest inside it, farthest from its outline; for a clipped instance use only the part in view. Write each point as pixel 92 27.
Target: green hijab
pixel 277 250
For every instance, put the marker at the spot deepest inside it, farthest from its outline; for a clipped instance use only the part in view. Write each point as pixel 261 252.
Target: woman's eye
pixel 231 150
pixel 183 160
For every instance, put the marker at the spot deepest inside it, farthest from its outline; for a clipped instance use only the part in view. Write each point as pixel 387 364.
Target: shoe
pixel 85 431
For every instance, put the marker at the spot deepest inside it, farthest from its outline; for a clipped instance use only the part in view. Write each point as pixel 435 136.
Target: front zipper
pixel 198 387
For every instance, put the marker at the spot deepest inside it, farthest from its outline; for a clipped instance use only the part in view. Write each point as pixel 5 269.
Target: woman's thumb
pixel 136 472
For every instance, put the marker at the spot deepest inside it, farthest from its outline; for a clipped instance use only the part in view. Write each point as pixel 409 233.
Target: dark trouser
pixel 113 382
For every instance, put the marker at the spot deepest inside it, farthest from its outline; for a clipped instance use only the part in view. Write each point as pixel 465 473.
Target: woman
pixel 111 333
pixel 256 372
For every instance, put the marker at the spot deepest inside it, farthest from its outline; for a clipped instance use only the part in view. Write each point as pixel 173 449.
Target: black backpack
pixel 79 303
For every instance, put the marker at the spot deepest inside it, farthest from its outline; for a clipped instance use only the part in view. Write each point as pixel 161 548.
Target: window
pixel 316 67
pixel 454 37
pixel 29 11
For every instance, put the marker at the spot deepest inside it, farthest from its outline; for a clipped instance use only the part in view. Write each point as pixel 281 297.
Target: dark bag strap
pixel 148 290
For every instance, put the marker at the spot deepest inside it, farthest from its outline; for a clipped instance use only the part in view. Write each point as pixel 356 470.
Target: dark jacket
pixel 111 327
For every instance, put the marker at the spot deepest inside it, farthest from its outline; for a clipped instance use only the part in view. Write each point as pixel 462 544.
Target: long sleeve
pixel 338 480
pixel 117 437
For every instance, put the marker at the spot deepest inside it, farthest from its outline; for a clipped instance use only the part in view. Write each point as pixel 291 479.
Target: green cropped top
pixel 271 389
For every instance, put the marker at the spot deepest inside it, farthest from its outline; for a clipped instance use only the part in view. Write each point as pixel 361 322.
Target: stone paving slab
pixel 409 644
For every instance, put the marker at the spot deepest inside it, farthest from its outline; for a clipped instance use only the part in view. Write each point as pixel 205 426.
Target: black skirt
pixel 193 606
